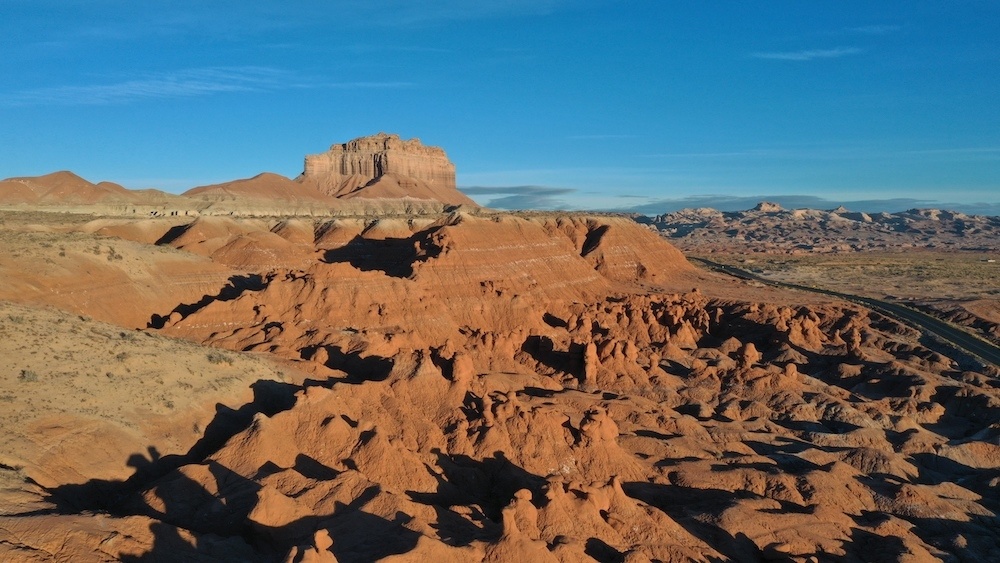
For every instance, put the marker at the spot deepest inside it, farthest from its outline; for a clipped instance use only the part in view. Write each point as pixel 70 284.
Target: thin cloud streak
pixel 180 84
pixel 960 150
pixel 830 153
pixel 809 54
pixel 440 11
pixel 369 85
pixel 875 29
pixel 185 83
pixel 520 197
pixel 598 137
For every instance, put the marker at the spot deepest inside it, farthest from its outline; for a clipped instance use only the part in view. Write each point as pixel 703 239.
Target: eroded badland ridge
pixel 768 228
pixel 942 262
pixel 457 385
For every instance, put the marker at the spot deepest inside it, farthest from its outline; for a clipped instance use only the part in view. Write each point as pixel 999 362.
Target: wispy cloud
pixel 598 137
pixel 520 197
pixel 180 84
pixel 960 151
pixel 833 153
pixel 184 83
pixel 808 54
pixel 782 153
pixel 368 85
pixel 883 29
pixel 436 11
pixel 365 48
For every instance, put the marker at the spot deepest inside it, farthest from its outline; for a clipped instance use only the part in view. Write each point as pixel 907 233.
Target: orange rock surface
pixel 464 387
pixel 384 166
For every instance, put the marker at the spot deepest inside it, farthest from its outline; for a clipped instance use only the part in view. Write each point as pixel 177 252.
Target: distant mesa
pixel 381 166
pixel 384 166
pixel 379 172
pixel 768 207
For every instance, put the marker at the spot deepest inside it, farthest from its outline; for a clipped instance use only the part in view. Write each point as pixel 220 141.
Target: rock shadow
pixel 602 552
pixel 192 522
pixel 593 239
pixel 968 535
pixel 966 413
pixel 172 234
pixel 237 286
pixel 685 505
pixel 269 398
pixel 357 367
pixel 542 350
pixel 395 257
pixel 489 484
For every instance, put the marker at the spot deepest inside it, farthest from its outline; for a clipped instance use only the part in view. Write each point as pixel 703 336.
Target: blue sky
pixel 648 105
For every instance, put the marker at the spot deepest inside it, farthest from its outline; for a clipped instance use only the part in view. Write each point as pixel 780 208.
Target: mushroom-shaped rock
pixel 590 363
pixel 748 355
pixel 514 545
pixel 318 552
pixel 598 426
pixel 462 370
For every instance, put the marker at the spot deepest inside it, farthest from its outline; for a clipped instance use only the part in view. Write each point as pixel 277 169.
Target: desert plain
pixel 360 364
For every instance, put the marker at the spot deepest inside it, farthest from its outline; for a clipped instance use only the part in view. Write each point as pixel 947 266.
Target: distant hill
pixel 265 186
pixel 68 188
pixel 770 228
pixel 380 173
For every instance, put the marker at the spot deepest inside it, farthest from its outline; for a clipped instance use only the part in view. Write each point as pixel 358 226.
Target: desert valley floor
pixel 464 386
pixel 360 364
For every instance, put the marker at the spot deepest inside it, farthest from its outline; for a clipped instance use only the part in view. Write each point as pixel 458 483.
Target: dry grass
pixel 916 275
pixel 68 375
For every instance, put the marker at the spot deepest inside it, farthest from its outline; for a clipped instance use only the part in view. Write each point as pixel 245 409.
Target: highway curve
pixel 978 347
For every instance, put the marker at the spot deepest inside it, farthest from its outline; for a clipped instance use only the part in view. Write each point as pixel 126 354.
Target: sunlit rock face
pixel 384 166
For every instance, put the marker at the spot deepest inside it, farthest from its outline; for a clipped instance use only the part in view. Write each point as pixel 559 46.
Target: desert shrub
pixel 28 375
pixel 216 357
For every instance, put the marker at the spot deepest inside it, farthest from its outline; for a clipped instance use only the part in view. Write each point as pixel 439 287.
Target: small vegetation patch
pixel 216 357
pixel 27 375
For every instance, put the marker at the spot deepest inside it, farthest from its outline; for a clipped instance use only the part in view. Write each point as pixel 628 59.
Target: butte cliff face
pixel 384 166
pixel 377 174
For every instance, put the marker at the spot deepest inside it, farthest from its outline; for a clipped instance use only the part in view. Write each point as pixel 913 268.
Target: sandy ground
pixel 464 388
pixel 961 287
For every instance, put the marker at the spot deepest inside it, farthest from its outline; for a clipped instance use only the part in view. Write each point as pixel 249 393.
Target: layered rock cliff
pixel 384 166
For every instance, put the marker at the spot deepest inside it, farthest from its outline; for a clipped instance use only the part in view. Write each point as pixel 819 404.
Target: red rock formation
pixel 384 166
pixel 66 188
pixel 266 186
pixel 499 388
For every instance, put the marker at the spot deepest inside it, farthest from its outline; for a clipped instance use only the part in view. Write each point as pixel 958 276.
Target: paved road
pixel 922 321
